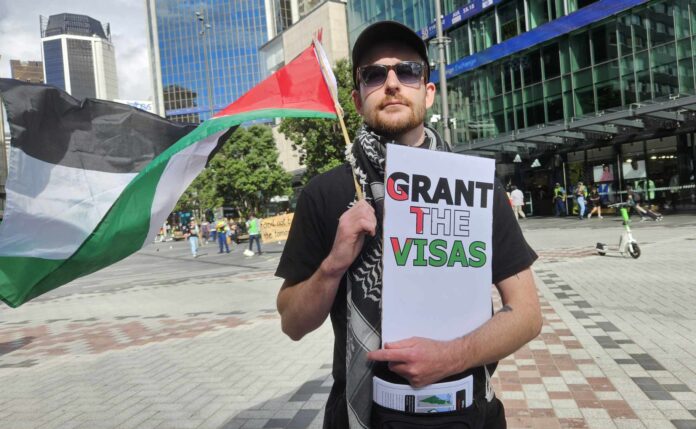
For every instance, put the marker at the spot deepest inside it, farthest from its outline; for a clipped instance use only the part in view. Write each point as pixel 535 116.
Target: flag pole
pixel 339 114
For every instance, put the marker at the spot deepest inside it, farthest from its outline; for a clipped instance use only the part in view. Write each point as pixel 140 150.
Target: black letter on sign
pixel 461 190
pixel 484 187
pixel 442 192
pixel 421 186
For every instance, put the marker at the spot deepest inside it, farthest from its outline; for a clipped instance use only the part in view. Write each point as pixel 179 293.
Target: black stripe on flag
pixel 48 124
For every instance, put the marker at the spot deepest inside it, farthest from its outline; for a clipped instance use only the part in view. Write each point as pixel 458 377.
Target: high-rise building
pixel 28 71
pixel 78 56
pixel 205 55
pixel 602 91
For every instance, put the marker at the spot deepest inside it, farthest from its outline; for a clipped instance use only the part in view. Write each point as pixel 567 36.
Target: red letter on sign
pixel 419 212
pixel 397 192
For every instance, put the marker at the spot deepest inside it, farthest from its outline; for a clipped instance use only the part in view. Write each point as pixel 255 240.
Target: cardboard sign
pixel 437 243
pixel 276 228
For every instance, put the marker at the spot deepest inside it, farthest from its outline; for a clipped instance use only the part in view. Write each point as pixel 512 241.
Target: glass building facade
pixel 205 53
pixel 575 85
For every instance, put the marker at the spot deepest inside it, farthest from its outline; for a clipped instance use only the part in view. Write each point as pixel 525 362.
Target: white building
pixel 78 56
pixel 309 18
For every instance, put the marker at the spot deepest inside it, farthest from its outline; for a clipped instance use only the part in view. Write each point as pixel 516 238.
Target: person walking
pixel 595 203
pixel 331 262
pixel 191 235
pixel 559 198
pixel 221 235
pixel 205 231
pixel 634 202
pixel 580 194
pixel 254 228
pixel 517 198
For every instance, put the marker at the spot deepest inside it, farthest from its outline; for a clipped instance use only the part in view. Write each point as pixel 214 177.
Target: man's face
pixel 393 108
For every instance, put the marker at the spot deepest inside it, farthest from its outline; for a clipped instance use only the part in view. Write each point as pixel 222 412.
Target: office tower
pixel 204 55
pixel 78 56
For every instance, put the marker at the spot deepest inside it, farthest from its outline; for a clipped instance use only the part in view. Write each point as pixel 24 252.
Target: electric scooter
pixel 627 244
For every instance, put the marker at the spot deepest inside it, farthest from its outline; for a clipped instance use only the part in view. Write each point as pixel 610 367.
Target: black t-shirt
pixel 311 237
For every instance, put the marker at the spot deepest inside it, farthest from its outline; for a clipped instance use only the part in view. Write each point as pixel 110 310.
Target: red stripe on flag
pixel 298 85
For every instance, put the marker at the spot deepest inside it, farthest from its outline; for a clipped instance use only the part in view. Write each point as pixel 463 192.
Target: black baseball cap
pixel 388 31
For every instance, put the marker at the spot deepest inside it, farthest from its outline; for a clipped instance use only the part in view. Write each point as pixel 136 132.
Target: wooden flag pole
pixel 339 114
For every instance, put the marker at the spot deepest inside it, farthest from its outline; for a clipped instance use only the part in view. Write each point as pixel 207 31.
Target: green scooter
pixel 627 244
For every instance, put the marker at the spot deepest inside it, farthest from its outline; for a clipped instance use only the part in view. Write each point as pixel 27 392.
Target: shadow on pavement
pixel 290 410
pixel 17 344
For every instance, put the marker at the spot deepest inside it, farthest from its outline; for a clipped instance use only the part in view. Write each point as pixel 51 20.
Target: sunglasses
pixel 408 73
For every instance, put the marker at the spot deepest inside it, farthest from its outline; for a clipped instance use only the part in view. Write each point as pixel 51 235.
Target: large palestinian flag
pixel 91 182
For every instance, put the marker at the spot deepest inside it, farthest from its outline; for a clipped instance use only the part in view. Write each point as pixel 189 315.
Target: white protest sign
pixel 438 217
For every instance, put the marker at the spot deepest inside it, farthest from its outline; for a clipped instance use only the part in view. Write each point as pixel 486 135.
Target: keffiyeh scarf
pixel 364 279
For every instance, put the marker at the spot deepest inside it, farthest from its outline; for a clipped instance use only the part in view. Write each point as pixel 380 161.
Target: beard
pixel 393 126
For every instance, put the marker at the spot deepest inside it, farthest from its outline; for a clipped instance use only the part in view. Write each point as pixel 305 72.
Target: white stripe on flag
pixel 52 209
pixel 182 168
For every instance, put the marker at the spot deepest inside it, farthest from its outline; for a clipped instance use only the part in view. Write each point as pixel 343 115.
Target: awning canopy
pixel 639 121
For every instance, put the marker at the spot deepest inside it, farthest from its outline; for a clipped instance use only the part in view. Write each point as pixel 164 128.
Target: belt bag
pixel 468 418
pixel 435 398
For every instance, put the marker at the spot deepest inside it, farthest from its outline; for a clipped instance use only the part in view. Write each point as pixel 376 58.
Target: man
pixel 254 234
pixel 517 198
pixel 332 258
pixel 190 232
pixel 559 196
pixel 221 228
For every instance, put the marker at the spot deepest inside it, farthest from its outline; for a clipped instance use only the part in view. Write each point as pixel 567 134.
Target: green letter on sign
pixel 438 253
pixel 477 250
pixel 401 255
pixel 458 254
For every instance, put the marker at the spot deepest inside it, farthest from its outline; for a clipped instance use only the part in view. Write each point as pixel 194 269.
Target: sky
pixel 20 36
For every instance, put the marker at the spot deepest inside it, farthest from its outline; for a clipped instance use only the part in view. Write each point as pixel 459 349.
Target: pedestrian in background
pixel 517 198
pixel 191 235
pixel 205 231
pixel 580 194
pixel 254 229
pixel 595 203
pixel 221 236
pixel 559 198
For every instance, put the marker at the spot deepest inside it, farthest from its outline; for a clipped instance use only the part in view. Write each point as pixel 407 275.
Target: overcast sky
pixel 20 36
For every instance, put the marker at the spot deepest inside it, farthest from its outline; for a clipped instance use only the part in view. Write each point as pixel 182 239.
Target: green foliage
pixel 244 174
pixel 320 141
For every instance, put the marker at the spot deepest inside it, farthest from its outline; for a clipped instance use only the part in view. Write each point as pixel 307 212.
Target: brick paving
pixel 164 341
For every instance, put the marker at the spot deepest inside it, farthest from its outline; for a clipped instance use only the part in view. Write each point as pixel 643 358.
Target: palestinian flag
pixel 91 182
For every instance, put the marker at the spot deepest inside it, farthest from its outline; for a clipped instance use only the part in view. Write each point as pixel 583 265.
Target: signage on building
pixel 147 106
pixel 459 15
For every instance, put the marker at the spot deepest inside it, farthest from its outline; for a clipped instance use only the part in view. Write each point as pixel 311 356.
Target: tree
pixel 320 141
pixel 244 174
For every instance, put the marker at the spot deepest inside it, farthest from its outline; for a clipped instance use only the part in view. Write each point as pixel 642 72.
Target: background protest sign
pixel 276 228
pixel 437 243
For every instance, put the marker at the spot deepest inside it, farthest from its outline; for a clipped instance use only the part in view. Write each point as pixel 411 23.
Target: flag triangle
pixel 297 86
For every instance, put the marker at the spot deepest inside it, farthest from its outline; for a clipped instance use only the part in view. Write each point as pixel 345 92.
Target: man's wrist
pixel 330 269
pixel 458 353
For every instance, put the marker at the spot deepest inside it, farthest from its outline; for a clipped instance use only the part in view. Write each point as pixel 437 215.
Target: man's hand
pixel 421 361
pixel 304 306
pixel 350 236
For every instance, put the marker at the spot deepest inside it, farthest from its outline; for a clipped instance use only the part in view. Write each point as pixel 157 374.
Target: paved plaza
pixel 163 340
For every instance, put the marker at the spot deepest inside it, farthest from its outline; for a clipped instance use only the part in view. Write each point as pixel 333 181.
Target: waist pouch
pixel 472 417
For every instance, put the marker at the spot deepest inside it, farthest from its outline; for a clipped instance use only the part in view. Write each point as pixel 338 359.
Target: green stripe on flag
pixel 123 230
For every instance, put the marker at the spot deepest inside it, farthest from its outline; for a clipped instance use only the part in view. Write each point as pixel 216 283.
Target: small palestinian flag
pixel 91 182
